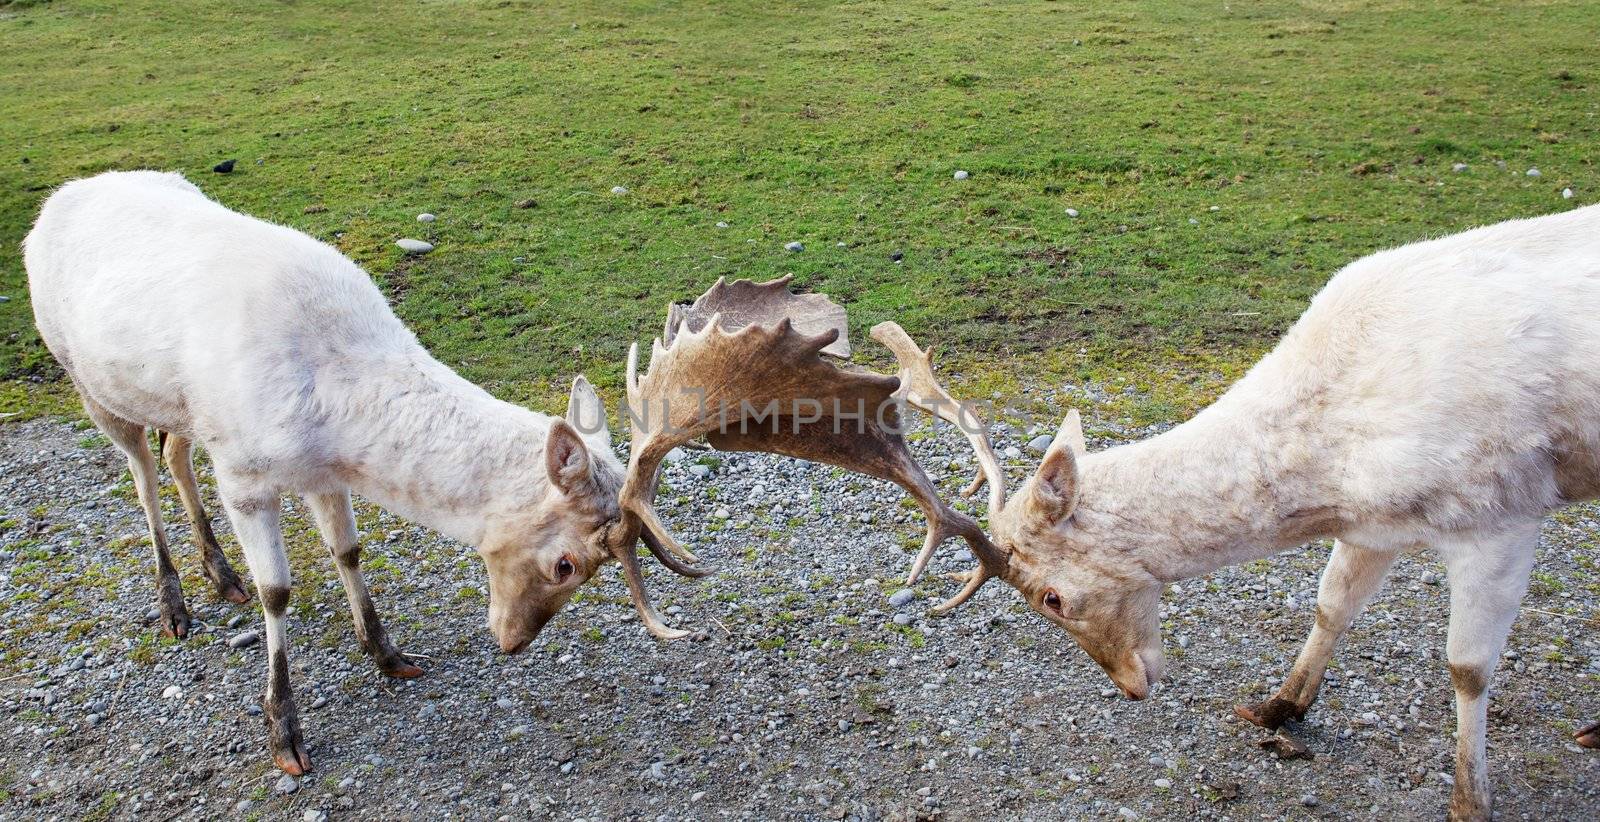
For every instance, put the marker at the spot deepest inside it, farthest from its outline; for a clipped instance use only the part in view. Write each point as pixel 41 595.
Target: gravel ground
pixel 806 695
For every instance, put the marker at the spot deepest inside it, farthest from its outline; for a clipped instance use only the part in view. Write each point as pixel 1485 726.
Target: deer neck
pixel 1236 483
pixel 422 442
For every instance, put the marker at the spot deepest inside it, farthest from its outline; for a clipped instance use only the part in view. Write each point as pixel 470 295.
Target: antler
pixel 741 351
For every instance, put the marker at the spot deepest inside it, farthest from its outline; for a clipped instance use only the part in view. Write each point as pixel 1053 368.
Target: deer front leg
pixel 1487 580
pixel 255 522
pixel 337 523
pixel 1353 575
pixel 179 454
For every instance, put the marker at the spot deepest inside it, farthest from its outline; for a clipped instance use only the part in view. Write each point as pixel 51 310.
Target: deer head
pixel 1108 606
pixel 744 367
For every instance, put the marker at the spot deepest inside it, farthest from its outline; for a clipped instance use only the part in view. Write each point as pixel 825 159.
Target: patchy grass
pixel 1319 131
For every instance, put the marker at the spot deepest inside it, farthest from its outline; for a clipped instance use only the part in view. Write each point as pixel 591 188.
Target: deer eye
pixel 1052 601
pixel 564 569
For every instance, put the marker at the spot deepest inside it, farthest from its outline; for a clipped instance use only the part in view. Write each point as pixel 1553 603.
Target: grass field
pixel 1318 131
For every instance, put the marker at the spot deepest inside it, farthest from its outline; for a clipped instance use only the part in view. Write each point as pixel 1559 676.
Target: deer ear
pixel 1070 434
pixel 587 413
pixel 1054 490
pixel 566 459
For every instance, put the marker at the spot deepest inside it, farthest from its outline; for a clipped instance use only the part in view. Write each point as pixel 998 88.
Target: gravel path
pixel 807 695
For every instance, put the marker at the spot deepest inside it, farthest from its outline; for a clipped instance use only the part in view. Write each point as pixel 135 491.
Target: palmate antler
pixel 742 367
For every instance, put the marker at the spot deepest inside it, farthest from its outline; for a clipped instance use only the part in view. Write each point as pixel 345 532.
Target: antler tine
pixel 623 549
pixel 974 580
pixel 919 387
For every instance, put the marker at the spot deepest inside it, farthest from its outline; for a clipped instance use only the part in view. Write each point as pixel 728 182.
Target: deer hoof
pixel 401 669
pixel 1270 714
pixel 294 760
pixel 1589 737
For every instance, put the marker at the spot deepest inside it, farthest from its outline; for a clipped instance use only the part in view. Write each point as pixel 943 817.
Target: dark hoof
pixel 175 625
pixel 1589 737
pixel 400 669
pixel 293 761
pixel 234 592
pixel 1270 714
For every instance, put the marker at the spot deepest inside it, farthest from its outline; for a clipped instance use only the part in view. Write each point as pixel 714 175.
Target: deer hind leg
pixel 179 454
pixel 1353 575
pixel 1488 577
pixel 337 523
pixel 130 439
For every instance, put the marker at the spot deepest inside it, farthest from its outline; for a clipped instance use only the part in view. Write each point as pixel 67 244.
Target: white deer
pixel 1444 396
pixel 280 357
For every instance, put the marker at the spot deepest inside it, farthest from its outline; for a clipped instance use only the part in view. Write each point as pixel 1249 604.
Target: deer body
pixel 278 354
pixel 1443 396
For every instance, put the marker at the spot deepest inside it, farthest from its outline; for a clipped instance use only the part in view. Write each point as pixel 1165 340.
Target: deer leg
pixel 179 454
pixel 337 523
pixel 130 439
pixel 1487 580
pixel 1353 575
pixel 254 515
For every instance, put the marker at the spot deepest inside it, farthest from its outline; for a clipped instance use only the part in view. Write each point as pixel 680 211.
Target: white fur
pixel 1443 395
pixel 281 358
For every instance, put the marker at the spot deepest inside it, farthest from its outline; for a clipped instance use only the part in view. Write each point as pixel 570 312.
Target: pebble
pixel 1072 212
pixel 700 471
pixel 411 246
pixel 722 513
pixel 224 167
pixel 243 640
pixel 314 815
pixel 677 455
pixel 528 203
pixel 1127 813
pixel 1566 193
pixel 1040 444
pixel 962 175
pixel 1533 172
pixel 286 785
pixel 1459 167
pixel 1013 452
pixel 897 256
pixel 619 190
pixel 236 620
pixel 425 217
pixel 902 619
pixel 504 703
pixel 172 692
pixel 658 770
pixel 1310 801
pixel 795 246
pixel 902 597
pixel 722 224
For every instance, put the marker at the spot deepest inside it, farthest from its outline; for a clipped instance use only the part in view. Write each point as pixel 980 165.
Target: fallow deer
pixel 281 358
pixel 1444 395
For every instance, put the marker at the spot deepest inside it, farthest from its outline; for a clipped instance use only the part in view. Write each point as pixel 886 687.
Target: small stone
pixel 224 167
pixel 1072 212
pixel 286 785
pixel 568 767
pixel 243 640
pixel 1013 452
pixel 1214 208
pixel 314 815
pixel 1164 784
pixel 152 615
pixel 697 796
pixel 700 471
pixel 962 175
pixel 172 692
pixel 902 597
pixel 1533 172
pixel 518 732
pixel 411 246
pixel 1193 221
pixel 1040 444
pixel 243 805
pixel 1127 813
pixel 677 455
pixel 318 702
pixel 236 620
pixel 902 619
pixel 92 719
pixel 722 224
pixel 347 783
pixel 897 256
pixel 658 770
pixel 1459 167
pixel 1368 718
pixel 1566 193
pixel 1310 801
pixel 722 513
pixel 425 217
pixel 528 203
pixel 795 246
pixel 619 190
pixel 314 208
pixel 505 704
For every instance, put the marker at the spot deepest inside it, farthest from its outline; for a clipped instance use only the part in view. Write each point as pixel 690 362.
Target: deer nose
pixel 513 647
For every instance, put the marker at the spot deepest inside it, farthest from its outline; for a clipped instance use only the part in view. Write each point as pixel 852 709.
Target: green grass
pixel 1320 130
